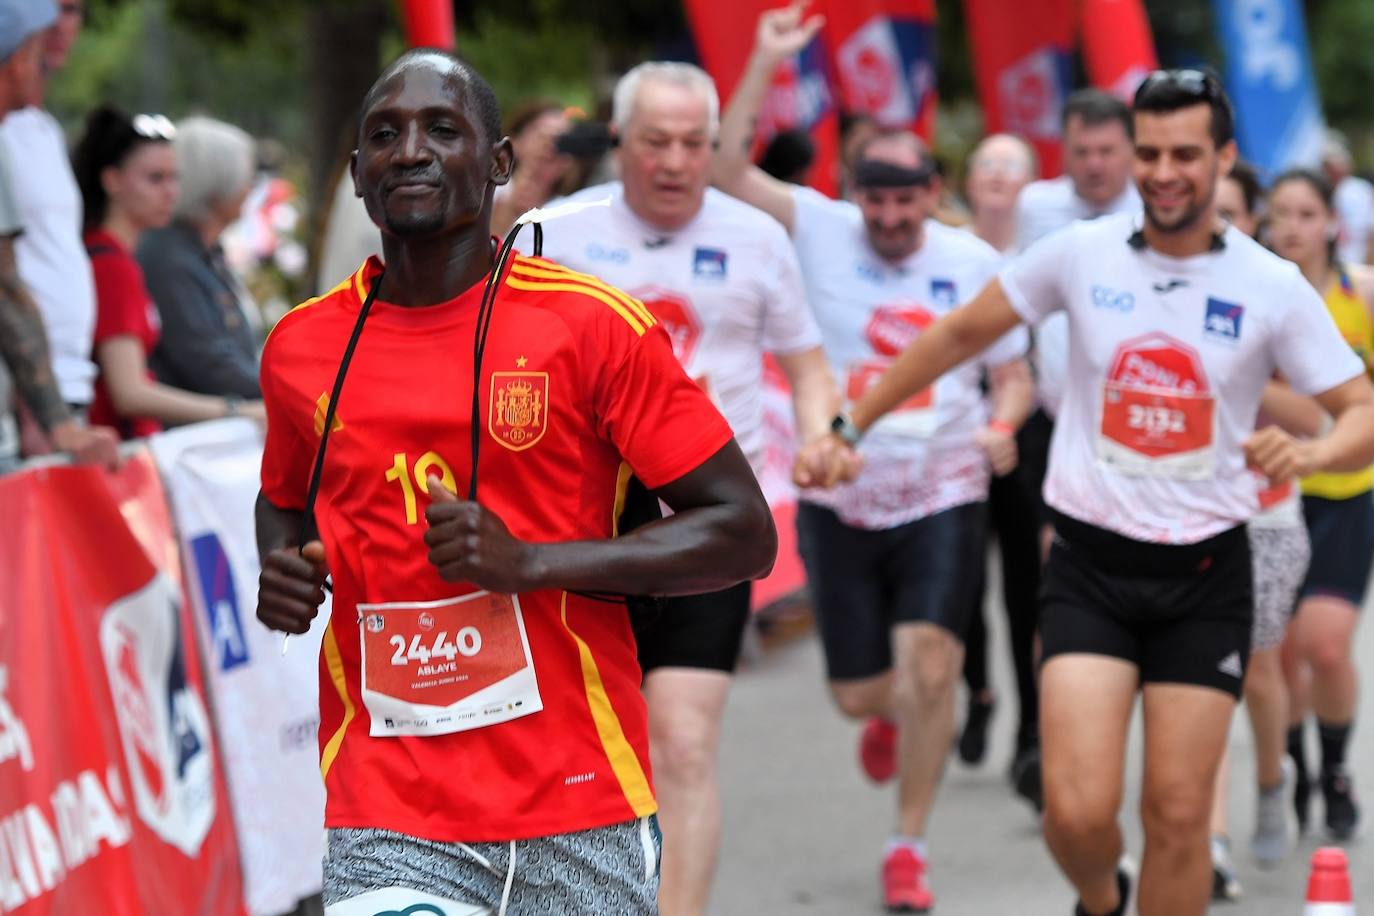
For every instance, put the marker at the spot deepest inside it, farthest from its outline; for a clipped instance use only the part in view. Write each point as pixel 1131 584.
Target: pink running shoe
pixel 878 749
pixel 904 883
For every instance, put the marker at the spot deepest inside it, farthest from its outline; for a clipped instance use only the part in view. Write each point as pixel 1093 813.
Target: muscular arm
pixel 814 395
pixel 24 345
pixel 721 533
pixel 957 336
pixel 781 33
pixel 1296 414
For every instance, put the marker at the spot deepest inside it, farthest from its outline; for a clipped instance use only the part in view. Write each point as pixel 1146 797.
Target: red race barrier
pixel 112 797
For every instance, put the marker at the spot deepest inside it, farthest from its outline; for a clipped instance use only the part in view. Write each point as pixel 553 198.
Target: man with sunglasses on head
pixel 722 277
pixel 894 559
pixel 1177 323
pixel 484 742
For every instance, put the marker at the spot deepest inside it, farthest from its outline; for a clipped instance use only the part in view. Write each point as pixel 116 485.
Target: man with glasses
pixel 1178 321
pixel 895 559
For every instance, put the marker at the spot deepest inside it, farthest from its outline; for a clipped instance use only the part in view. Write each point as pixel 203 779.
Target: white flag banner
pixel 266 705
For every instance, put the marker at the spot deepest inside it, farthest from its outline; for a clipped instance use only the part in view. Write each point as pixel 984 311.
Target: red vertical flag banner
pixel 884 60
pixel 428 23
pixel 1118 47
pixel 112 799
pixel 1021 60
pixel 800 95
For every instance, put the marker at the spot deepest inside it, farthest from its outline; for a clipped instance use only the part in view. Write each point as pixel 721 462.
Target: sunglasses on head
pixel 154 127
pixel 1197 83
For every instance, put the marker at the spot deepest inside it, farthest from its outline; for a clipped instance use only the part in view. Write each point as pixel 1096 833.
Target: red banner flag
pixel 112 799
pixel 884 60
pixel 1021 58
pixel 1118 47
pixel 800 95
pixel 428 23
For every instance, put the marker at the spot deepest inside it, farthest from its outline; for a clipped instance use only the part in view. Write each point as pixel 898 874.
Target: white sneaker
pixel 1276 825
pixel 1225 884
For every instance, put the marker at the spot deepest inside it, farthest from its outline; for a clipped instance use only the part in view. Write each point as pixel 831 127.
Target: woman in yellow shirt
pixel 1339 510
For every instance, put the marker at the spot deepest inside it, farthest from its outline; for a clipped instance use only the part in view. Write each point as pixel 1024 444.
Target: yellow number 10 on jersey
pixel 401 472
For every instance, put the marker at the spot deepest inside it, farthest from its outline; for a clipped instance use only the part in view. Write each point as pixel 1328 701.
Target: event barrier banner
pixel 1021 52
pixel 1269 76
pixel 1118 47
pixel 111 794
pixel 266 703
pixel 885 60
pixel 800 95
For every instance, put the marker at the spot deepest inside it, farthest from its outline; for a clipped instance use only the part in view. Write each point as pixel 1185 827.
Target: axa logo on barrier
pixel 223 618
pixel 14 737
pixel 163 724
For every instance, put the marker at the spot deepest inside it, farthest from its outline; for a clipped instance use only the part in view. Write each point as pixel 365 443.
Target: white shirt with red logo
pixel 1043 207
pixel 921 458
pixel 726 287
pixel 1168 358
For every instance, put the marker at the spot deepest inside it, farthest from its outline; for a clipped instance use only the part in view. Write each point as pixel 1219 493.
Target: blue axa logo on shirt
pixel 708 264
pixel 1223 319
pixel 597 252
pixel 221 601
pixel 1105 297
pixel 943 292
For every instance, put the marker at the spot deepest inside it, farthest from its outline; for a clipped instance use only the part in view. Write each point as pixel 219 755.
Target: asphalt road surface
pixel 804 831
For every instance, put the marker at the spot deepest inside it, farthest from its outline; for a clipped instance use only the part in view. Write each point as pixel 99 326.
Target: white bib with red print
pixel 921 458
pixel 1168 358
pixel 726 287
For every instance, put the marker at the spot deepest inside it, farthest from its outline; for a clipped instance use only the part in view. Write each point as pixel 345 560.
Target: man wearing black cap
pixel 895 558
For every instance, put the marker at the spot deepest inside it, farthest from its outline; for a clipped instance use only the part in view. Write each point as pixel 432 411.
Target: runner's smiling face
pixel 894 217
pixel 1177 165
pixel 424 165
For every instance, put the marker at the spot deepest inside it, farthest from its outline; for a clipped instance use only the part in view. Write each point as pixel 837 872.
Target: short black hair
pixel 480 94
pixel 1094 107
pixel 1173 90
pixel 788 155
pixel 1247 177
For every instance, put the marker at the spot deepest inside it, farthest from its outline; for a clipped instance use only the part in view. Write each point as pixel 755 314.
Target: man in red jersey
pixel 483 739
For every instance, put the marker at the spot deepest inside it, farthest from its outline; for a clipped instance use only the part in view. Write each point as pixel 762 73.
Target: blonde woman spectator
pixel 209 342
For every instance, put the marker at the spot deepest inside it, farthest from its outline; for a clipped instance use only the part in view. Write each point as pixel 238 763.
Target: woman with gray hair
pixel 208 342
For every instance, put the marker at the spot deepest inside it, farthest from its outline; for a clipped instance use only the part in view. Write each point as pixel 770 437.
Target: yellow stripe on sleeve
pixel 559 272
pixel 573 287
pixel 624 762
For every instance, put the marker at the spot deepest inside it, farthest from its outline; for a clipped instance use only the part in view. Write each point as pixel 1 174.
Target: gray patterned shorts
pixel 1280 557
pixel 605 870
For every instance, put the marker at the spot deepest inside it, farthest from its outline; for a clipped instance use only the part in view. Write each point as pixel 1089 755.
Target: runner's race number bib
pixel 438 667
pixel 913 417
pixel 1160 432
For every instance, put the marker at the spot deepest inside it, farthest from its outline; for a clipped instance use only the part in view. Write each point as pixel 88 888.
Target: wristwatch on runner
pixel 844 427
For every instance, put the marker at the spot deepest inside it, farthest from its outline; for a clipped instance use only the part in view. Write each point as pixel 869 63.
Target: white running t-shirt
pixel 1041 208
pixel 921 458
pixel 1168 358
pixel 726 287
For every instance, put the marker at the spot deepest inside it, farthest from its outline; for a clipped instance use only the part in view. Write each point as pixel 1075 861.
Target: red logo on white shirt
pixel 1157 413
pixel 674 311
pixel 893 327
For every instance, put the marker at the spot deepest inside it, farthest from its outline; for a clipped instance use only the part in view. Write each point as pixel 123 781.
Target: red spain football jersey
pixel 446 713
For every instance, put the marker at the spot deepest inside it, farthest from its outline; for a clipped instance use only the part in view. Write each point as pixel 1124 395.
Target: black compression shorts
pixel 694 631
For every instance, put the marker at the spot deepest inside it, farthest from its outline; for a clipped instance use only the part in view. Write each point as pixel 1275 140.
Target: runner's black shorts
pixel 694 631
pixel 1180 613
pixel 865 582
pixel 1342 532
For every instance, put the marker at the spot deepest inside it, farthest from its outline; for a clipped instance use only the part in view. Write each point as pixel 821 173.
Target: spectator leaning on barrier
pixel 208 344
pixel 23 342
pixel 128 176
